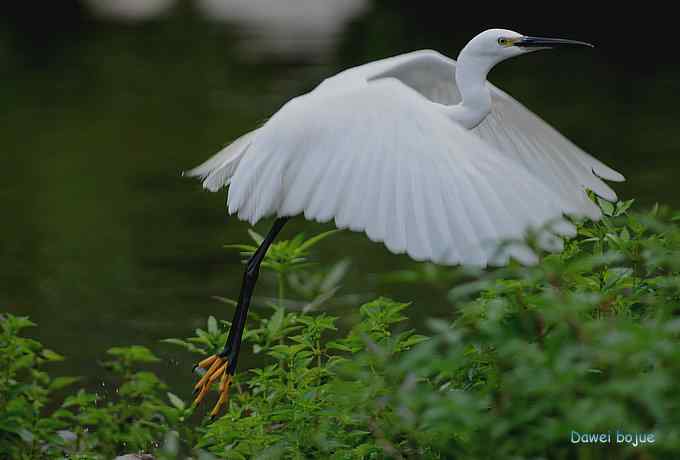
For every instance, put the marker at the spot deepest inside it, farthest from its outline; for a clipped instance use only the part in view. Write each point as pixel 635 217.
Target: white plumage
pixel 431 160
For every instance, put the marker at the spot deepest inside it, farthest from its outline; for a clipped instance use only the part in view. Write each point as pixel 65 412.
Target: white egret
pixel 419 151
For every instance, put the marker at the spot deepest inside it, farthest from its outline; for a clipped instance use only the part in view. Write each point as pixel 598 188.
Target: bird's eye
pixel 503 41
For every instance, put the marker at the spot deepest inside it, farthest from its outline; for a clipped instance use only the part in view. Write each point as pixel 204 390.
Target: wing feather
pixel 402 172
pixel 510 127
pixel 515 130
pixel 217 171
pixel 426 71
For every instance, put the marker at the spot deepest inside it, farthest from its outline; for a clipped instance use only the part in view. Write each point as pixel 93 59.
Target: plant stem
pixel 281 284
pixel 318 355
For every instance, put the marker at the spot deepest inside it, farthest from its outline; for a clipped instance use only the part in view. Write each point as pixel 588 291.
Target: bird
pixel 418 151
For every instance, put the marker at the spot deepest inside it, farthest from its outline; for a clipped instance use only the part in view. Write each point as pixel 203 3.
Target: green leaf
pixel 176 401
pixel 225 300
pixel 316 239
pixel 134 353
pixel 241 247
pixel 338 345
pixel 625 235
pixel 606 206
pixel 81 399
pixel 50 355
pixel 26 435
pixel 17 323
pixel 212 326
pixel 256 237
pixel 623 206
pixel 62 382
pixel 275 323
pixel 186 345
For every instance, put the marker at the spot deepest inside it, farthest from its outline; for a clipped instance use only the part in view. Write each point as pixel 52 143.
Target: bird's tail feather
pixel 218 170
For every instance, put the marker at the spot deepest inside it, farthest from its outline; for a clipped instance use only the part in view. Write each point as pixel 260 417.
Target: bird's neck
pixel 475 105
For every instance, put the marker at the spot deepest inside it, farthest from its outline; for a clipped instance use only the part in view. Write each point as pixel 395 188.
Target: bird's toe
pixel 214 367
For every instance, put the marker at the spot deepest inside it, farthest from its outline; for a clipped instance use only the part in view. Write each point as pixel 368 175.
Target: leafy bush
pixel 85 425
pixel 584 342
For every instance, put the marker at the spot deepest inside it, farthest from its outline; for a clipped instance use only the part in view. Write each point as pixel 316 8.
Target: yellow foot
pixel 216 369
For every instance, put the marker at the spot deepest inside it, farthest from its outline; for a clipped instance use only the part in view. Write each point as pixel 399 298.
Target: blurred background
pixel 104 102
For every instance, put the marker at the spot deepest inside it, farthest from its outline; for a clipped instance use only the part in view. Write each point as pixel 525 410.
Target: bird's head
pixel 496 45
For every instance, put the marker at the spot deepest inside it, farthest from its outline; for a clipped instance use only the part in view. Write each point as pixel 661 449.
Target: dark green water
pixel 104 244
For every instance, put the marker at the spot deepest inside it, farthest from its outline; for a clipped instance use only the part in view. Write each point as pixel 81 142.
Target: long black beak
pixel 543 43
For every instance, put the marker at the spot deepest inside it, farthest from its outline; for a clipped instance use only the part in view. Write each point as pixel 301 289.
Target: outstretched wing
pixel 521 134
pixel 380 158
pixel 510 127
pixel 219 169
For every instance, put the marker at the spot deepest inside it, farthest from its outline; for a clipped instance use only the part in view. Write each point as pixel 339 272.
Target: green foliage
pixel 585 341
pixel 285 256
pixel 24 391
pixel 291 407
pixel 86 425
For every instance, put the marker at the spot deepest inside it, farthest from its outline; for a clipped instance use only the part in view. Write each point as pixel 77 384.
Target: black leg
pixel 233 345
pixel 220 368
